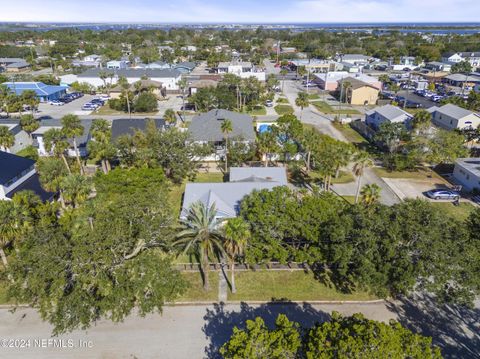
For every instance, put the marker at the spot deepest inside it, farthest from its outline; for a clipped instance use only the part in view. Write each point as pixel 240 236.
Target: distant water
pixel 406 27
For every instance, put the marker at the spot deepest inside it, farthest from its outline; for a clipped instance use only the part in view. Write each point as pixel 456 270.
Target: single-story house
pixel 460 80
pixel 117 64
pixel 88 61
pixel 168 77
pixel 128 126
pixel 14 64
pixel 44 92
pixel 184 67
pixel 227 196
pixel 19 174
pixel 155 86
pixel 438 66
pixel 358 92
pixel 45 125
pixel 388 113
pixel 195 85
pixel 452 117
pixel 206 128
pixel 467 173
pixel 157 65
pixel 22 139
pixel 356 59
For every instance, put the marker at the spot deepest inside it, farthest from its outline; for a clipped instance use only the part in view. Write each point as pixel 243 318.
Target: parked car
pixel 443 194
pixel 56 103
pixel 269 103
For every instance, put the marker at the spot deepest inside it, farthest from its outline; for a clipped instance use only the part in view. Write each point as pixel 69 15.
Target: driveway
pixel 74 107
pixel 197 331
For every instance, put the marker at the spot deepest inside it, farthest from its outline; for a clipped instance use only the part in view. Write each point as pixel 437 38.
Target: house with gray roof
pixel 388 113
pixel 14 64
pixel 227 196
pixel 22 139
pixel 467 173
pixel 128 126
pixel 45 125
pixel 452 117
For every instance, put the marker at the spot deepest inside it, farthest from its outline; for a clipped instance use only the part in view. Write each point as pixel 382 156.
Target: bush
pixel 400 162
pixel 145 102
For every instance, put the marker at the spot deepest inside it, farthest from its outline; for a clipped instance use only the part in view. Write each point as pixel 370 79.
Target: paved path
pixel 189 332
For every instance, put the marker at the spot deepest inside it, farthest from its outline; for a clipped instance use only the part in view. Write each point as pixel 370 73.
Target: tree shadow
pixel 219 322
pixel 455 329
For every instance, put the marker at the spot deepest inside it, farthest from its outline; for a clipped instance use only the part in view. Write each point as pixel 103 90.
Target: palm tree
pixel 227 128
pixel 52 172
pixel 302 101
pixel 370 194
pixel 7 139
pixel 202 236
pixel 346 85
pixel 284 73
pixel 29 124
pixel 301 71
pixel 237 235
pixel 421 121
pixel 72 128
pixel 362 161
pixel 76 189
pixel 123 83
pixel 384 79
pixel 170 116
pixel 266 144
pixel 8 228
pixel 183 84
pixel 56 141
pixel 100 148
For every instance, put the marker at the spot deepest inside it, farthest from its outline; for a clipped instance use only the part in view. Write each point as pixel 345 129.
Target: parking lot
pixel 74 107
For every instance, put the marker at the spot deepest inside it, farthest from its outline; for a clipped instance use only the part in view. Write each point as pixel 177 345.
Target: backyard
pixel 324 107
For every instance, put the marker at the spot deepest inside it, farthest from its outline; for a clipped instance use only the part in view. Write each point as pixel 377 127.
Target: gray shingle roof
pixel 12 166
pixel 257 174
pixel 127 126
pixel 81 141
pixel 454 111
pixel 207 126
pixel 388 111
pixel 135 73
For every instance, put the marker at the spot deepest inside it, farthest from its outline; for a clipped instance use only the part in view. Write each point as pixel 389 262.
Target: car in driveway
pixel 56 103
pixel 269 103
pixel 442 194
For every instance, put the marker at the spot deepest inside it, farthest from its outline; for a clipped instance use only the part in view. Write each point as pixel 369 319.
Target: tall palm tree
pixel 101 148
pixel 237 235
pixel 284 73
pixel 8 228
pixel 302 102
pixel 170 116
pixel 227 128
pixel 183 85
pixel 52 172
pixel 29 124
pixel 76 189
pixel 370 194
pixel 266 144
pixel 72 128
pixel 201 235
pixel 123 83
pixel 56 142
pixel 362 161
pixel 421 121
pixel 7 139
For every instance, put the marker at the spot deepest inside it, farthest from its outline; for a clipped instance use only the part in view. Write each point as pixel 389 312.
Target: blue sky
pixel 241 10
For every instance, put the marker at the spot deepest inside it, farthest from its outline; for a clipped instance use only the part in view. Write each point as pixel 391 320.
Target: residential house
pixel 388 113
pixel 198 84
pixel 14 64
pixel 206 128
pixel 184 67
pixel 118 64
pixel 157 65
pixel 45 125
pixel 452 117
pixel 438 66
pixel 455 57
pixel 406 62
pixel 141 85
pixel 44 92
pixel 357 92
pixel 329 81
pixel 19 174
pixel 242 69
pixel 355 59
pixel 168 77
pixel 467 173
pixel 165 48
pixel 128 126
pixel 314 65
pixel 88 61
pixel 227 196
pixel 22 139
pixel 461 80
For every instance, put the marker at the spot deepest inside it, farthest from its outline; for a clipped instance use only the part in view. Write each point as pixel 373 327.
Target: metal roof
pixel 389 112
pixel 46 125
pixel 40 88
pixel 127 126
pixel 454 111
pixel 207 126
pixel 135 73
pixel 256 174
pixel 12 166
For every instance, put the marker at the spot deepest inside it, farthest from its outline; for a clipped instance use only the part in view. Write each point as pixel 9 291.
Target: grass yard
pixel 258 111
pixel 349 199
pixel 460 212
pixel 419 174
pixel 107 111
pixel 209 177
pixel 282 100
pixel 344 177
pixel 195 292
pixel 350 134
pixel 289 285
pixel 324 107
pixel 3 294
pixel 314 96
pixel 283 109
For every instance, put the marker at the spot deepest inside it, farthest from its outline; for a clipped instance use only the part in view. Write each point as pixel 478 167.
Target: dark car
pixel 442 194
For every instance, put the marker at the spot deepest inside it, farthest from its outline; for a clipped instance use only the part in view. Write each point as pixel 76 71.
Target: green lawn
pixel 3 294
pixel 107 111
pixel 350 134
pixel 258 111
pixel 283 109
pixel 195 290
pixel 324 107
pixel 290 285
pixel 314 96
pixel 282 100
pixel 349 199
pixel 209 177
pixel 344 177
pixel 460 212
pixel 419 174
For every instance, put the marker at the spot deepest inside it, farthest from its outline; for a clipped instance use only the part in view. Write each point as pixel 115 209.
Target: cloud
pixel 245 11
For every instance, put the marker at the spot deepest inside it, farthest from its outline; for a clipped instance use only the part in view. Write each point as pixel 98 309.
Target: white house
pixel 18 174
pixel 452 117
pixel 455 57
pixel 467 173
pixel 242 69
pixel 22 139
pixel 355 59
pixel 117 64
pixel 388 113
pixel 168 77
pixel 406 62
pixel 89 61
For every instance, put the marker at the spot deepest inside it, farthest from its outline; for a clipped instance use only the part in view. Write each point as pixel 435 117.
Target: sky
pixel 248 11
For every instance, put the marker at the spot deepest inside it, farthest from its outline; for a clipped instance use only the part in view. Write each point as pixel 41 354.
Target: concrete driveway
pixel 406 188
pixel 74 107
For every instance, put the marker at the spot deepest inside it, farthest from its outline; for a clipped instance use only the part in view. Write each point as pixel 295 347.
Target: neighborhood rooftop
pixel 12 165
pixel 451 110
pixel 129 73
pixel 388 111
pixel 127 126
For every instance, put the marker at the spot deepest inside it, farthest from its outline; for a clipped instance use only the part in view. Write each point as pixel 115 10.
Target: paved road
pixel 186 332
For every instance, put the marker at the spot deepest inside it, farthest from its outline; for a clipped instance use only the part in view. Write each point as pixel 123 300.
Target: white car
pixel 56 103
